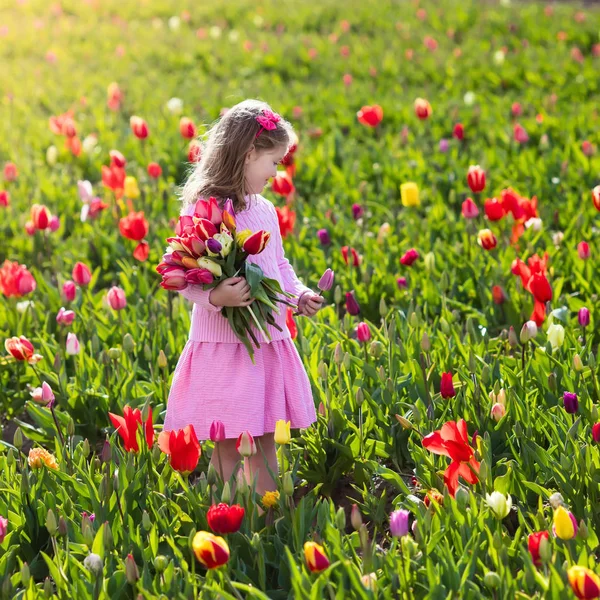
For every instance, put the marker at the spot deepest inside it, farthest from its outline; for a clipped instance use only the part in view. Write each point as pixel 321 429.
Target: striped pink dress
pixel 215 379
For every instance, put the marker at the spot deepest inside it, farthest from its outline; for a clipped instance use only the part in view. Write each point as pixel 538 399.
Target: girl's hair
pixel 221 169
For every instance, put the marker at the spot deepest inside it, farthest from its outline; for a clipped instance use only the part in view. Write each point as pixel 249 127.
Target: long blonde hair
pixel 221 169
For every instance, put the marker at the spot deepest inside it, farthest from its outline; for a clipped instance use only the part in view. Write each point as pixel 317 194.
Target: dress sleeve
pixel 290 280
pixel 194 292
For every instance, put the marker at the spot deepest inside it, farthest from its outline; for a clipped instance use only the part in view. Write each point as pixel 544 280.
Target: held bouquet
pixel 208 249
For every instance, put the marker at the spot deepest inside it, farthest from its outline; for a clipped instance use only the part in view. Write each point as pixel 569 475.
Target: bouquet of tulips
pixel 206 250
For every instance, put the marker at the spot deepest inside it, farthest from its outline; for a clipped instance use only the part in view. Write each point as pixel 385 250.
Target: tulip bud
pixel 462 497
pixel 552 381
pixel 226 493
pixel 498 411
pixel 340 519
pixel 18 438
pixel 381 374
pixel 355 517
pixel 513 342
pixel 583 532
pixel 48 588
pixel 106 454
pixel 107 537
pixel 383 307
pixel 62 527
pixel 288 484
pixel 256 542
pixel 322 370
pixel 162 360
pixel 114 353
pixel 528 331
pixel 85 448
pixel 492 580
pixel 337 294
pixel 360 397
pixel 132 573
pixel 211 475
pixel 347 360
pixel 25 575
pixel 425 343
pixel 128 343
pixel 147 352
pixel 577 363
pixel 10 456
pixel 376 348
pixel 414 319
pixel 95 341
pixel 51 524
pixel 409 546
pixel 363 534
pixel 70 428
pixel 429 260
pixel 161 563
pixel 146 521
pixel 404 422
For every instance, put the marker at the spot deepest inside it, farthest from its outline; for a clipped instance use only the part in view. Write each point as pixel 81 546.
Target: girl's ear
pixel 250 154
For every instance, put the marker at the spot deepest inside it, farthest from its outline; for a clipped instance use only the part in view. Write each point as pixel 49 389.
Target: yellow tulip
pixel 409 192
pixel 242 236
pixel 213 267
pixel 130 187
pixel 282 432
pixel 565 526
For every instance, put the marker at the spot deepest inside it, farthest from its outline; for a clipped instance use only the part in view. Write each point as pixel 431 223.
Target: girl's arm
pixel 291 283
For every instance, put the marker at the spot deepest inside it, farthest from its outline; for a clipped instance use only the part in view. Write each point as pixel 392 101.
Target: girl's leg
pixel 229 458
pixel 255 467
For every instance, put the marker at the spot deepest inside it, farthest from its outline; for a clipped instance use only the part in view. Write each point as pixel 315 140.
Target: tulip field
pixel 447 172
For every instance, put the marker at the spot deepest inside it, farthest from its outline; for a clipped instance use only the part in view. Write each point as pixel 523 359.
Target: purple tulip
pixel 3 528
pixel 228 206
pixel 444 145
pixel 584 317
pixel 401 282
pixel 357 211
pixel 324 237
pixel 326 281
pixel 570 402
pixel 214 245
pixel 399 522
pixel 352 305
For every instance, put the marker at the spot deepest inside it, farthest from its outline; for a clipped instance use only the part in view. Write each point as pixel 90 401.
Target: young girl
pixel 215 379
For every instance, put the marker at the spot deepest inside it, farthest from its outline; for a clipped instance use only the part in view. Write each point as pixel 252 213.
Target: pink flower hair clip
pixel 267 121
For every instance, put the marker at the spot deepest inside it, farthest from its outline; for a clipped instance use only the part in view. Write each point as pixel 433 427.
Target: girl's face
pixel 262 166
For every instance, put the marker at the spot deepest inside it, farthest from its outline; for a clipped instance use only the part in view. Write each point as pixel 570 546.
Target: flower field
pixel 447 171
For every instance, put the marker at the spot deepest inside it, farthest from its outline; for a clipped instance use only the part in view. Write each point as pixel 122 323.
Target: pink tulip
pixel 69 290
pixel 363 333
pixel 3 528
pixel 217 431
pixel 73 346
pixel 47 394
pixel 65 317
pixel 81 274
pixel 54 223
pixel 583 249
pixel 469 209
pixel 116 298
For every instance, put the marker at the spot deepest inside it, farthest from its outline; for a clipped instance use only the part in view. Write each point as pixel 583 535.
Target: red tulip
pixel 370 116
pixel 583 250
pixel 117 159
pixel 486 239
pixel 183 448
pixel 187 128
pixel 458 132
pixel 584 582
pixel 287 220
pixel 452 440
pixel 212 551
pixel 113 177
pixel 257 242
pixel 355 257
pixel 65 317
pixel 422 108
pixel 498 295
pixel 596 197
pixel 22 349
pixel 223 518
pixel 141 252
pixel 4 198
pixel 173 277
pixel 352 305
pixel 596 432
pixel 516 109
pixel 40 216
pixel 81 274
pixel 446 386
pixel 540 287
pixel 134 226
pixel 139 127
pixel 494 210
pixel 409 257
pixel 469 209
pixel 16 280
pixel 282 184
pixel 127 427
pixel 154 170
pixel 536 542
pixel 476 178
pixel 194 151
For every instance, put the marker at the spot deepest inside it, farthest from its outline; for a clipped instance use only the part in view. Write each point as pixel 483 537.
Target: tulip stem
pixel 218 449
pixel 237 594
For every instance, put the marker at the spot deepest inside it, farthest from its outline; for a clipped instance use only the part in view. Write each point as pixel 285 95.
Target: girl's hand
pixel 233 291
pixel 310 304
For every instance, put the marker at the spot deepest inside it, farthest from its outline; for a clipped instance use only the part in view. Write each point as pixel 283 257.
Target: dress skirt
pixel 217 381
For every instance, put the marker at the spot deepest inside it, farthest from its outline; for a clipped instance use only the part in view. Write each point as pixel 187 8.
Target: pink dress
pixel 215 379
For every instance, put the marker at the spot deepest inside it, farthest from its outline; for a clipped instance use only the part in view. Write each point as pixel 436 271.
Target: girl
pixel 215 379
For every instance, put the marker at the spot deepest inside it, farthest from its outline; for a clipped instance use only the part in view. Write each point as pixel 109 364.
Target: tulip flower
pixel 223 518
pixel 452 440
pixel 494 210
pixel 10 171
pixel 282 432
pixel 444 145
pixel 116 298
pixel 134 226
pixel 469 209
pixel 245 444
pixel 399 522
pixel 65 317
pixel 409 192
pixel 584 582
pixel 40 216
pixel 583 250
pixel 498 411
pixel 596 197
pixel 182 447
pixel 583 317
pixel 401 282
pixel 22 349
pixel 352 305
pixel 519 134
pixel 139 127
pixel 81 274
pixel 596 432
pixel 187 128
pixel 286 218
pixel 363 333
pixel 69 290
pixel 458 132
pixel 357 211
pixel 499 504
pixel 3 528
pixel 316 559
pixel 370 116
pixel 326 281
pixel 498 295
pixel 324 237
pixel 217 431
pixel 538 546
pixel 570 402
pixel 422 109
pixel 355 257
pixel 40 456
pixel 528 331
pixel 130 187
pixel 72 344
pixel 564 524
pixel 127 427
pixel 211 550
pixel 16 280
pixel 154 170
pixel 256 242
pixel 476 178
pixel 283 184
pixel 4 198
pixel 486 239
pixel 446 386
pixel 409 257
pixel 556 335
